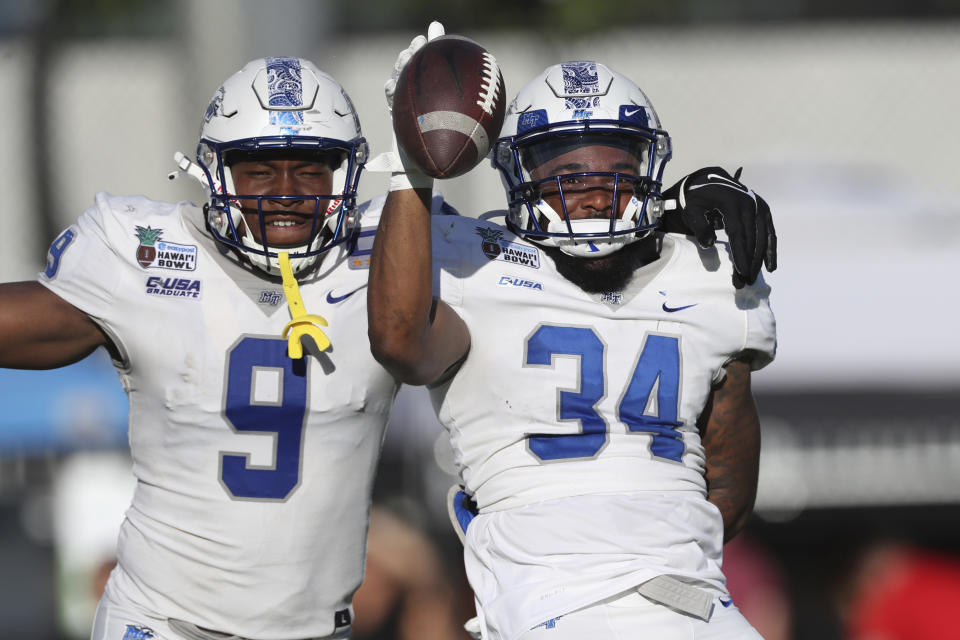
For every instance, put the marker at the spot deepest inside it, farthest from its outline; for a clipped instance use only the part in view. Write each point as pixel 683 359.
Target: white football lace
pixel 490 90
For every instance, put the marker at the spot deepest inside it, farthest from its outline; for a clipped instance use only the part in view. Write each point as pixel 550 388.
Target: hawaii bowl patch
pixel 154 253
pixel 496 248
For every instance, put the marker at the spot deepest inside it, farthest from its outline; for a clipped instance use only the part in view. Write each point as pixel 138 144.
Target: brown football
pixel 449 105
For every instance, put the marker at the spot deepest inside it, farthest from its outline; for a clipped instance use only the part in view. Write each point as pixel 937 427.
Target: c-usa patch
pixel 520 283
pixel 173 287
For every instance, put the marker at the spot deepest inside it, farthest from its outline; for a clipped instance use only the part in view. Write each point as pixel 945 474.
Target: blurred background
pixel 844 116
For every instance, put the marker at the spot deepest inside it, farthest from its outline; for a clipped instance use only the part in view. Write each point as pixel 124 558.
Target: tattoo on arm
pixel 730 432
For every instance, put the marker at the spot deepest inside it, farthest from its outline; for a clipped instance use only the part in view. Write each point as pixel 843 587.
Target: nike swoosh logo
pixel 674 309
pixel 627 114
pixel 720 181
pixel 332 299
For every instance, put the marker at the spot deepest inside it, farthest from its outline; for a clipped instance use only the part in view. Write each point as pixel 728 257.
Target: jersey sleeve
pixel 82 266
pixel 760 341
pixel 448 258
pixel 87 265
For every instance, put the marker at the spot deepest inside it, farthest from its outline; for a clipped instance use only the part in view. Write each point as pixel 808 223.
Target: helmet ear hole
pixel 642 188
pixel 531 192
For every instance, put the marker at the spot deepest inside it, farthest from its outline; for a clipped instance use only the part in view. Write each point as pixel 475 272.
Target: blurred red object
pixel 904 593
pixel 758 587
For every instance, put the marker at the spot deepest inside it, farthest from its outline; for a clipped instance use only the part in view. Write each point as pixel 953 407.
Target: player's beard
pixel 609 273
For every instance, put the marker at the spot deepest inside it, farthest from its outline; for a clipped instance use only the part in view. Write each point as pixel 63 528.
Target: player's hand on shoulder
pixel 710 199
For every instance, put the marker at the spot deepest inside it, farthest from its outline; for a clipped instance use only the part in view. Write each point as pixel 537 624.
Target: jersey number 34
pixel 657 369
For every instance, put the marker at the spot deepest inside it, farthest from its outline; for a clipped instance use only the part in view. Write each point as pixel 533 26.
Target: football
pixel 449 105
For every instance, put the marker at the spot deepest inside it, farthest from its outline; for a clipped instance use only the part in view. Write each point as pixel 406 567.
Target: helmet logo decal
pixel 580 79
pixel 215 107
pixel 532 120
pixel 634 114
pixel 285 89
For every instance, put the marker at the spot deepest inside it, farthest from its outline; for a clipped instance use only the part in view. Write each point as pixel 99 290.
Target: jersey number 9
pixel 266 393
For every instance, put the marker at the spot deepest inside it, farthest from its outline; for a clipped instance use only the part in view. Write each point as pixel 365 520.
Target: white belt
pixel 193 632
pixel 669 591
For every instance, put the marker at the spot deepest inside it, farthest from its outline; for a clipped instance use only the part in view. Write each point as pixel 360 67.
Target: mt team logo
pixel 156 253
pixel 173 287
pixel 271 298
pixel 137 632
pixel 496 248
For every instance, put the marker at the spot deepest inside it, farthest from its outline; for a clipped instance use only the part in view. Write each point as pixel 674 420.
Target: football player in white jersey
pixel 239 332
pixel 593 372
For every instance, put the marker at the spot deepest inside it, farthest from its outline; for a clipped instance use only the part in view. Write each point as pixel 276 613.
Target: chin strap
pixel 301 322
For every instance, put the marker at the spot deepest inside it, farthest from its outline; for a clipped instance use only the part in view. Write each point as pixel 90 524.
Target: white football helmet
pixel 277 104
pixel 571 106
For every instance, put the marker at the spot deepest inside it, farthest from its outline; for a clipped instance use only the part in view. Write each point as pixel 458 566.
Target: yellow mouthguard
pixel 301 322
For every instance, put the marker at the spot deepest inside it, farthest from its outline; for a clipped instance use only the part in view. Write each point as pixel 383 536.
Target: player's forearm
pixel 735 503
pixel 406 331
pixel 731 440
pixel 40 330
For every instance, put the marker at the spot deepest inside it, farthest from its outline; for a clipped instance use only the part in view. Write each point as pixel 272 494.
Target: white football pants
pixel 632 616
pixel 117 621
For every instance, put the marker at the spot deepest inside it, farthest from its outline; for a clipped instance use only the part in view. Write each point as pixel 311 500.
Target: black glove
pixel 711 199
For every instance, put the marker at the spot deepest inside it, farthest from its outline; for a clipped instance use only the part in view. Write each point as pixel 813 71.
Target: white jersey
pixel 573 417
pixel 254 471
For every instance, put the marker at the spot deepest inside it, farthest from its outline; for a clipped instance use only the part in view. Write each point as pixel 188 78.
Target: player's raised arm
pixel 412 333
pixel 41 330
pixel 730 431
